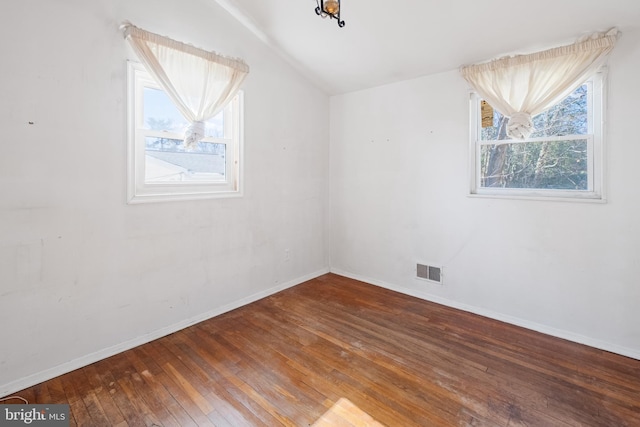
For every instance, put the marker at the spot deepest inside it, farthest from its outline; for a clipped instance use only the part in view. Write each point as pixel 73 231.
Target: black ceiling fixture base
pixel 330 8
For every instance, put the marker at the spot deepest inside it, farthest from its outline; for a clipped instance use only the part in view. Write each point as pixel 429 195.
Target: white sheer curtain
pixel 525 85
pixel 200 83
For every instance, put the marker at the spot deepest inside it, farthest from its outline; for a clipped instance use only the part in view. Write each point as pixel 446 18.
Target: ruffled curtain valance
pixel 200 83
pixel 525 85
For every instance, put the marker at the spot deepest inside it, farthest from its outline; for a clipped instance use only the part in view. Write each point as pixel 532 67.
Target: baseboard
pixel 548 330
pixel 47 374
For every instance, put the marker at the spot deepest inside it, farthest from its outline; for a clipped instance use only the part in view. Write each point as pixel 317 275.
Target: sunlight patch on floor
pixel 345 413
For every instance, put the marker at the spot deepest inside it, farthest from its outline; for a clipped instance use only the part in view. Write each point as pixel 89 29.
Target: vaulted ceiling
pixel 385 41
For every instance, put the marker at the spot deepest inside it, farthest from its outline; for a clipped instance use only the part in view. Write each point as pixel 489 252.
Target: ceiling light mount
pixel 330 8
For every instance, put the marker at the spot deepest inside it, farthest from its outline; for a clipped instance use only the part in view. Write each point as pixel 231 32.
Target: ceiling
pixel 385 41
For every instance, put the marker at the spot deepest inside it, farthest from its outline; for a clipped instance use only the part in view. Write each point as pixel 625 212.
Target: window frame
pixel 139 191
pixel 595 152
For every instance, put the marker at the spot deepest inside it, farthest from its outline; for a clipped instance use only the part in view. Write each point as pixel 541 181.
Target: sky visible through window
pixel 161 114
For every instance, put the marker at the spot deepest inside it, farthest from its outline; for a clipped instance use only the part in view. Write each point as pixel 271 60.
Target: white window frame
pixel 595 152
pixel 138 191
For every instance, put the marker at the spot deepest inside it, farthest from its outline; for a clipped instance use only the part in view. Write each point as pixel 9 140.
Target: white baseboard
pixel 548 330
pixel 47 374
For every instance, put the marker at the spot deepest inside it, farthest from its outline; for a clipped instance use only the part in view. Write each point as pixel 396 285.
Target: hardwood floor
pixel 334 351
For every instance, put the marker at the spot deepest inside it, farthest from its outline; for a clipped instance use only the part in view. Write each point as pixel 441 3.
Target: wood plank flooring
pixel 337 352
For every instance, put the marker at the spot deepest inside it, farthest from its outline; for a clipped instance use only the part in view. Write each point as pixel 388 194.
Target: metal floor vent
pixel 428 272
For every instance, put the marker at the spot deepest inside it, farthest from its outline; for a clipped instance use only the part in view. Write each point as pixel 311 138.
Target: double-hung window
pixel 160 167
pixel 561 159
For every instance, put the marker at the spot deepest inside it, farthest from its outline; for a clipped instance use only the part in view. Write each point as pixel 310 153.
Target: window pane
pixel 160 113
pixel 214 127
pixel 569 117
pixel 560 165
pixel 167 161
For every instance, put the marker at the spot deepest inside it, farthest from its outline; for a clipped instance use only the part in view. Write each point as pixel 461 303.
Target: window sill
pixel 581 198
pixel 159 198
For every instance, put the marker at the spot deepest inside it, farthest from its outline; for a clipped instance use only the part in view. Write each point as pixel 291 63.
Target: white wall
pixel 83 274
pixel 399 185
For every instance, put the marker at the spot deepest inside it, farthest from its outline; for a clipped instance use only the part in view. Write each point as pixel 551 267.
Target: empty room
pixel 319 213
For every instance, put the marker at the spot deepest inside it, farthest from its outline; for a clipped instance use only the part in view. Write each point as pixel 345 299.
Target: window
pixel 562 158
pixel 160 168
